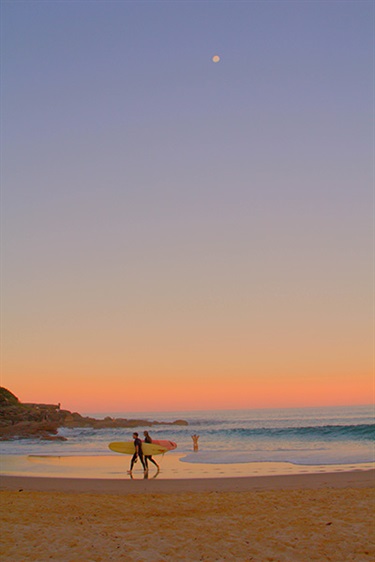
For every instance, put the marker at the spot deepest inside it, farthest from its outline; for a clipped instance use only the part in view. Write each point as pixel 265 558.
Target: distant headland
pixel 29 421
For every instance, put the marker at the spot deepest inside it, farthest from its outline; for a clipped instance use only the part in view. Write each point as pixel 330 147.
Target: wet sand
pixel 115 467
pixel 127 485
pixel 285 518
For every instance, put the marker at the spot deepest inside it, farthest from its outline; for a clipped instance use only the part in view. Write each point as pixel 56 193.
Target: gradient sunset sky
pixel 183 234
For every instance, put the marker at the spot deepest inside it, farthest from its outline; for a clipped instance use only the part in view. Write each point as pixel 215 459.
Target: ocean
pixel 301 436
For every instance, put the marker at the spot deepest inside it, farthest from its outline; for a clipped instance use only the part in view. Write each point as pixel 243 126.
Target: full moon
pixel 216 58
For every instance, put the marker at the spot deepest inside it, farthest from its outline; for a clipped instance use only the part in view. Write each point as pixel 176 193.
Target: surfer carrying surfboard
pixel 138 453
pixel 149 457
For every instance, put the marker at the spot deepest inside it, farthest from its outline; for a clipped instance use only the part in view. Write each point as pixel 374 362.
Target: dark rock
pixel 22 421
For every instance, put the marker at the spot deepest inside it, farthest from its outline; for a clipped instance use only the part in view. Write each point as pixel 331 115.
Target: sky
pixel 179 233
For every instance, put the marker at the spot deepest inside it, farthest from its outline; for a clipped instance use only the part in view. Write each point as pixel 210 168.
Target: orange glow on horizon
pixel 165 393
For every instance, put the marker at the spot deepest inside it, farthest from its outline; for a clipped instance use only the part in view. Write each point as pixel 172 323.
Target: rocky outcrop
pixel 30 430
pixel 24 420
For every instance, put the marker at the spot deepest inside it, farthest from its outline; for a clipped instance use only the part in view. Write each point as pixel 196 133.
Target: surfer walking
pixel 149 457
pixel 138 453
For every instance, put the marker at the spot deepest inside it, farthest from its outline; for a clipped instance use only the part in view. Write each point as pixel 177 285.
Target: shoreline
pixel 354 479
pixel 172 467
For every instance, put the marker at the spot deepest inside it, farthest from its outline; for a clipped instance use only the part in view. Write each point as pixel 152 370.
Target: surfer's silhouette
pixel 149 457
pixel 138 453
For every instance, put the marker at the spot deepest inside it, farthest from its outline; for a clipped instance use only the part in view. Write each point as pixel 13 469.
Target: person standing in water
pixel 195 438
pixel 149 457
pixel 138 453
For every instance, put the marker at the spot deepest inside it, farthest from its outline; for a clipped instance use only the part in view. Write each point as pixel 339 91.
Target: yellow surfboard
pixel 127 448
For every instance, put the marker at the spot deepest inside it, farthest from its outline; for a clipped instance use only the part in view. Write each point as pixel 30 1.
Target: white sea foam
pixel 299 457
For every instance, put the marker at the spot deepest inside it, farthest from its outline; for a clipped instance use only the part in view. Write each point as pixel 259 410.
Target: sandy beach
pixel 295 517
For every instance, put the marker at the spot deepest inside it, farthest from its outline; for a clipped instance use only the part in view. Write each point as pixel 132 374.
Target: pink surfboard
pixel 169 445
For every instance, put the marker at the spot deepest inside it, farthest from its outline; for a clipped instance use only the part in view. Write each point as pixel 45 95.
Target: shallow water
pixel 309 436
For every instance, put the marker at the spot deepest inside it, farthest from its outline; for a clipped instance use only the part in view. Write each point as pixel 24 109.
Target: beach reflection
pixel 146 475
